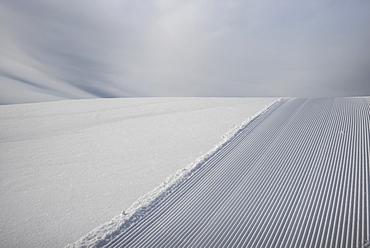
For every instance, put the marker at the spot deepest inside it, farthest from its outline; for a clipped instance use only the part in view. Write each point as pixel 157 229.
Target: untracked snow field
pixel 67 167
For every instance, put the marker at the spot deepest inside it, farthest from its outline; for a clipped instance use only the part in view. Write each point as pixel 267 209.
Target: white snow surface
pixel 67 167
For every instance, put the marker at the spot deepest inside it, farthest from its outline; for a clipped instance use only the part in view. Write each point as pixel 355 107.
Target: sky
pixel 64 49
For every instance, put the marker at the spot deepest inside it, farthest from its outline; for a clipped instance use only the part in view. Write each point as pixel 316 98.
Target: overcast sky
pixel 62 49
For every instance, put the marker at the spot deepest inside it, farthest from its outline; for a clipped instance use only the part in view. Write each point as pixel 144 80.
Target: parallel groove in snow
pixel 296 177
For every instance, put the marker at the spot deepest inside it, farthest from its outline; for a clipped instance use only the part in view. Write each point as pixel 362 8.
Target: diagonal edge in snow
pixel 101 235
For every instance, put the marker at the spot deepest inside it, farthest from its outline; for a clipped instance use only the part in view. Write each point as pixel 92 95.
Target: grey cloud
pixel 40 87
pixel 195 48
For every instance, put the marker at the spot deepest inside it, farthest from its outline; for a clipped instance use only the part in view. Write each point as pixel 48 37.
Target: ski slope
pixel 296 176
pixel 67 167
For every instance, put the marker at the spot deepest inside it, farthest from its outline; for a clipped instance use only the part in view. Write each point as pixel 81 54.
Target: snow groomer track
pixel 297 176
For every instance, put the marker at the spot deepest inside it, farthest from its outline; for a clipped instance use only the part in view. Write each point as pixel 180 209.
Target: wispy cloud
pixel 79 49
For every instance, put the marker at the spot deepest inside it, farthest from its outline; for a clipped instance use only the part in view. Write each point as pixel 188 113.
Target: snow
pixel 286 179
pixel 70 166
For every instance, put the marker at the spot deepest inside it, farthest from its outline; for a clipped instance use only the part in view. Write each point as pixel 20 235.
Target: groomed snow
pixel 297 175
pixel 70 166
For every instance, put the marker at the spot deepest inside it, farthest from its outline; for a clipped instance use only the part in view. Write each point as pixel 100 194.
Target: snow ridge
pixel 106 232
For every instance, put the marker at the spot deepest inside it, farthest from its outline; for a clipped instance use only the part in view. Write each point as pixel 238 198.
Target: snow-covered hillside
pixel 66 167
pixel 297 175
